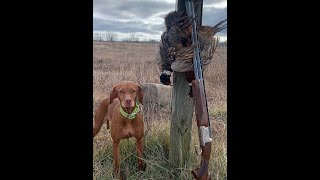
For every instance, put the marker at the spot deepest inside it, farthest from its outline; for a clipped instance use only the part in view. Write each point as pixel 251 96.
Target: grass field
pixel 118 61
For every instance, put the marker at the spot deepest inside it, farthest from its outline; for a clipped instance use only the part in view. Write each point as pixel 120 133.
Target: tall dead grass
pixel 118 61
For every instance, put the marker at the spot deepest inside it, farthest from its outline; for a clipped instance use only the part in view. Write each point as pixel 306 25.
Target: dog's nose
pixel 128 100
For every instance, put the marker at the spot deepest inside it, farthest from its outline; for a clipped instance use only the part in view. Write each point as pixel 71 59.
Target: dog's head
pixel 128 93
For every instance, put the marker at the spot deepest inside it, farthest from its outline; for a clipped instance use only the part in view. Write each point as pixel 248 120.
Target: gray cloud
pixel 212 1
pixel 146 9
pixel 125 27
pixel 211 16
pixel 141 9
pixel 145 16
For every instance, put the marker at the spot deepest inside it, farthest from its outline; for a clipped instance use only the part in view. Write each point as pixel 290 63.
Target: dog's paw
pixel 142 167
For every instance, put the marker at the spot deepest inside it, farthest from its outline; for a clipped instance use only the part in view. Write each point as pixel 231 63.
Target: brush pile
pixel 176 48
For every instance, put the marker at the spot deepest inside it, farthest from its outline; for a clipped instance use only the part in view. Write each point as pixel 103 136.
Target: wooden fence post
pixel 181 120
pixel 182 107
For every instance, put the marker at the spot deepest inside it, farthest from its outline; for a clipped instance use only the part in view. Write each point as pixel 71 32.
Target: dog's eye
pixel 121 91
pixel 132 91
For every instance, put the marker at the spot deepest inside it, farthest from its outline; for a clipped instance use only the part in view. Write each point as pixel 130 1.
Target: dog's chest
pixel 128 130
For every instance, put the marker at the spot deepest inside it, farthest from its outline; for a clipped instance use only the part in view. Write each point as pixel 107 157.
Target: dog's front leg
pixel 140 152
pixel 116 158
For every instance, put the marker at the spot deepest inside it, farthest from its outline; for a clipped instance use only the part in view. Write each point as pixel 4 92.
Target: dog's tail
pixel 100 115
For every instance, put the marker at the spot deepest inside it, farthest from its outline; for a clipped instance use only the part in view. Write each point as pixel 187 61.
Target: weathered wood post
pixel 181 120
pixel 182 108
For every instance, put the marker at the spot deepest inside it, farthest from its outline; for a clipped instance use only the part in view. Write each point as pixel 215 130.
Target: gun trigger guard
pixel 198 150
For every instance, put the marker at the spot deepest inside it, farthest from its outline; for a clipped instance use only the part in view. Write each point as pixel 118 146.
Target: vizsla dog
pixel 123 111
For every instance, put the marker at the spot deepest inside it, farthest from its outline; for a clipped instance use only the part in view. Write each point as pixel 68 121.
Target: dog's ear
pixel 113 94
pixel 140 95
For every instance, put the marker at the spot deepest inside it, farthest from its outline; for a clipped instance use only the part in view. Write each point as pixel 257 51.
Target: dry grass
pixel 118 61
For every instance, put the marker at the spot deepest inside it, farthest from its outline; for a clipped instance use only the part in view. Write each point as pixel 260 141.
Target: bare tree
pixel 133 38
pixel 111 37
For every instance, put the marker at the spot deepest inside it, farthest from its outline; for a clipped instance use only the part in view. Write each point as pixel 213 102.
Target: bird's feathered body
pixel 176 48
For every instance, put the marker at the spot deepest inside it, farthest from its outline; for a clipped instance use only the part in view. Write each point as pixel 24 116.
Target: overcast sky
pixel 144 18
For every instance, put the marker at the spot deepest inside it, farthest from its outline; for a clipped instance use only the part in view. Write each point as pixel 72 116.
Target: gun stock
pixel 202 173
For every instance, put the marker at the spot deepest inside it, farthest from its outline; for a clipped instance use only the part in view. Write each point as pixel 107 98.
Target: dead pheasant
pixel 183 58
pixel 176 47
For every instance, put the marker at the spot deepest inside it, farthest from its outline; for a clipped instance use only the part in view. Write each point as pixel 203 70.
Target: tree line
pixel 112 37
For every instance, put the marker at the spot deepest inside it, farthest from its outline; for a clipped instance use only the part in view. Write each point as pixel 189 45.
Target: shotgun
pixel 201 108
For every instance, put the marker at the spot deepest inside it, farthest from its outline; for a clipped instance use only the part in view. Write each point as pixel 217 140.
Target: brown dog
pixel 123 111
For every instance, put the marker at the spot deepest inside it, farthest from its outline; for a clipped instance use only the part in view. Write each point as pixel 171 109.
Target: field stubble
pixel 114 62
